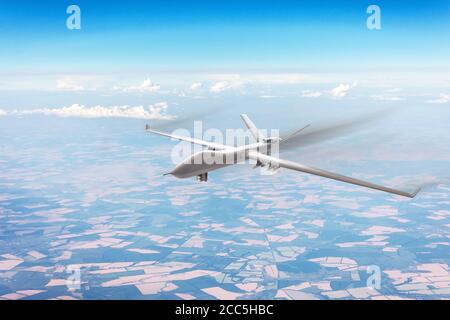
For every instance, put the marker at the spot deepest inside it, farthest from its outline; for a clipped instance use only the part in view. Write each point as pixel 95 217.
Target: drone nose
pixel 177 171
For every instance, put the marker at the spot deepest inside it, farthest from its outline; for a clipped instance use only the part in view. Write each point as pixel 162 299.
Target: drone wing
pixel 208 144
pixel 327 174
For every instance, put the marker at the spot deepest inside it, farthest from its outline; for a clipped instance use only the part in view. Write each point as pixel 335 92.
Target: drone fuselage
pixel 263 153
pixel 210 160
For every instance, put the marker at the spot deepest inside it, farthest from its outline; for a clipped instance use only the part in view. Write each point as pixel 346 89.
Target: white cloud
pixel 2 113
pixel 310 94
pixel 220 86
pixel 393 90
pixel 443 98
pixel 147 86
pixel 155 111
pixel 66 84
pixel 263 78
pixel 196 86
pixel 342 90
pixel 268 96
pixel 280 78
pixel 227 82
pixel 380 97
pixel 391 94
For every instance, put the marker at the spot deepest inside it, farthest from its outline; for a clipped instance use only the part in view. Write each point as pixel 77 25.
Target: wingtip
pixel 415 192
pixel 412 194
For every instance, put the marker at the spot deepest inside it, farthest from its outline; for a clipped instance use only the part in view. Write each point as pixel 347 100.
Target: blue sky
pixel 184 52
pixel 237 35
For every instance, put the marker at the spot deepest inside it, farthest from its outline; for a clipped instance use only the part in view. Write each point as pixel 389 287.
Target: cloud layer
pixel 342 90
pixel 221 86
pixel 147 86
pixel 443 98
pixel 310 94
pixel 196 86
pixel 68 85
pixel 155 111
